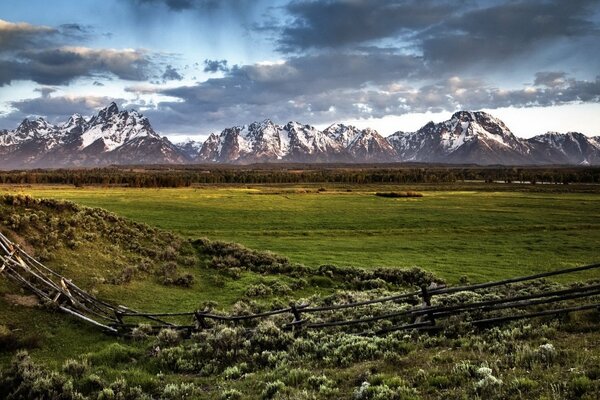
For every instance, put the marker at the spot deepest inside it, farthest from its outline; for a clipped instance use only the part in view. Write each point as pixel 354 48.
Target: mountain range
pixel 116 136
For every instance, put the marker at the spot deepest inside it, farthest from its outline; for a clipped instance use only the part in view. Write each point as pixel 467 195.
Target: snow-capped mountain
pixel 190 148
pixel 126 137
pixel 467 137
pixel 565 148
pixel 294 142
pixel 110 137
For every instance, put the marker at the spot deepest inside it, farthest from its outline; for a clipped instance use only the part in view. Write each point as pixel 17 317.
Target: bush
pixel 75 368
pixel 522 386
pixel 141 332
pixel 579 385
pixel 399 194
pixel 231 394
pixel 271 389
pixel 168 338
pixel 181 391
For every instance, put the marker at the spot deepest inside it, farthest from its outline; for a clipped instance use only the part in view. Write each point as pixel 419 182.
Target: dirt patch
pixel 25 301
pixel 19 240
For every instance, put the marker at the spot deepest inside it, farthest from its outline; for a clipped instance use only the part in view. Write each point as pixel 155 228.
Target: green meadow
pixel 480 234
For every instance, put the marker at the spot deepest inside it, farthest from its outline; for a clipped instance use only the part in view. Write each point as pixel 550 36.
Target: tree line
pixel 185 176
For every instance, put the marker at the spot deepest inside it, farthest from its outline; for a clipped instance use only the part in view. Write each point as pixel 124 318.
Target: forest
pixel 185 176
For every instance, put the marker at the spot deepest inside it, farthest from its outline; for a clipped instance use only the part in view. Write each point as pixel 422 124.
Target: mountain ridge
pixel 114 136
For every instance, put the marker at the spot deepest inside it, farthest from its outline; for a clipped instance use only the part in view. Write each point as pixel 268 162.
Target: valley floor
pixel 483 232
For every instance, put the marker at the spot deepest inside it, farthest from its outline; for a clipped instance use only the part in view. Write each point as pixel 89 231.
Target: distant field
pixel 483 235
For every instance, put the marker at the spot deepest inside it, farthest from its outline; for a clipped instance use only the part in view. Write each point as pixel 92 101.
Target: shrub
pixel 168 337
pixel 141 332
pixel 521 386
pixel 181 391
pixel 259 290
pixel 399 194
pixel 488 383
pixel 271 389
pixel 579 385
pixel 75 368
pixel 186 280
pixel 231 394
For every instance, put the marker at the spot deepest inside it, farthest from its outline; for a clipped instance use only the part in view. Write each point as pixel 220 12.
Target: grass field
pixel 484 234
pixel 481 234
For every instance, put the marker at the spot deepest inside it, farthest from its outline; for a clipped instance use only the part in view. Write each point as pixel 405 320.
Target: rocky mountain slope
pixel 126 137
pixel 266 141
pixel 110 137
pixel 479 138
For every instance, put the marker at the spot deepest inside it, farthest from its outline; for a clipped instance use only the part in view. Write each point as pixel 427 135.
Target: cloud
pixel 450 35
pixel 45 91
pixel 550 79
pixel 56 109
pixel 339 23
pixel 339 86
pixel 19 35
pixel 181 5
pixel 171 74
pixel 63 65
pixel 215 66
pixel 492 35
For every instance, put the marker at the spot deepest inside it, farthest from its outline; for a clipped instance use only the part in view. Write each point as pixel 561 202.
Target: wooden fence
pixel 55 289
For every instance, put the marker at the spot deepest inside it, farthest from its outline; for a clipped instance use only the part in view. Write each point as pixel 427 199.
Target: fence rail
pixel 53 288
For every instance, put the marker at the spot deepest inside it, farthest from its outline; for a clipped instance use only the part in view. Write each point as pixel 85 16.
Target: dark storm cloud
pixel 171 74
pixel 63 65
pixel 449 34
pixel 338 23
pixel 497 33
pixel 213 66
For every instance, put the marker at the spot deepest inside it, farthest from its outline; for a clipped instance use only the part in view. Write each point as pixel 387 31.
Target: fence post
pixel 119 316
pixel 200 320
pixel 297 322
pixel 427 303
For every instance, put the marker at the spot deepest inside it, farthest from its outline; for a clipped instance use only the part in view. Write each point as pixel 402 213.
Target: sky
pixel 198 66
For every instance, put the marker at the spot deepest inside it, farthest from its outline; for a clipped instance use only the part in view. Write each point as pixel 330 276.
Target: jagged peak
pixel 471 116
pixel 340 127
pixel 109 110
pixel 262 124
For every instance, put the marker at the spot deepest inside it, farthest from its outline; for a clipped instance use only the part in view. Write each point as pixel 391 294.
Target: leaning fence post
pixel 119 316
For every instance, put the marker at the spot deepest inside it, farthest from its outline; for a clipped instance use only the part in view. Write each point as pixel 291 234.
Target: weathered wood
pixel 569 310
pixel 49 285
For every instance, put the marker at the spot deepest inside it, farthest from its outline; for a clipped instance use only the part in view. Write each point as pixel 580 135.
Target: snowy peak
pixel 111 136
pixel 114 136
pixel 565 148
pixel 191 148
pixel 467 137
pixel 114 128
pixel 107 112
pixel 294 142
